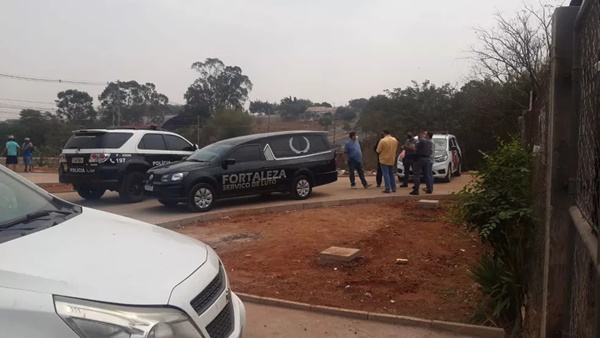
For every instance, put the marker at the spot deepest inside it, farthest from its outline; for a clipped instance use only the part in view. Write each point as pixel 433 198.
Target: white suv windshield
pixel 210 152
pixel 24 210
pixel 440 143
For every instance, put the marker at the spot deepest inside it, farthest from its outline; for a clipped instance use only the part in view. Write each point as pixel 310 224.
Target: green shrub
pixel 498 204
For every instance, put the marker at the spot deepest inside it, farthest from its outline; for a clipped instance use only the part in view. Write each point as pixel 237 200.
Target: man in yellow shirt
pixel 387 149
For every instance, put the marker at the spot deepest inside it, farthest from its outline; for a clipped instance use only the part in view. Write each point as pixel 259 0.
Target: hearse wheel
pixel 201 198
pixel 301 187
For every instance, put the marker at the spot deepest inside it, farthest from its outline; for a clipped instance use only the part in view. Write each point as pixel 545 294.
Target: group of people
pixel 11 151
pixel 417 155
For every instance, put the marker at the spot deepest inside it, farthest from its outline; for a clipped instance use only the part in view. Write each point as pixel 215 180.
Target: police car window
pixel 250 153
pixel 85 140
pixel 176 143
pixel 210 152
pixel 152 142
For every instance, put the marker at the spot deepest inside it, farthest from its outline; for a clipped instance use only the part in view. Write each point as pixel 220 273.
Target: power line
pixel 25 101
pixel 10 106
pixel 46 80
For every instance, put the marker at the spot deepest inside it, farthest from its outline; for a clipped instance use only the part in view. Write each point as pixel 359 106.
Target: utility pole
pixel 269 119
pixel 198 131
pixel 334 124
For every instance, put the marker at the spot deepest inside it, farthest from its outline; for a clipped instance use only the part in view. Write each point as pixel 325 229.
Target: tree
pixel 345 113
pixel 132 103
pixel 326 120
pixel 358 105
pixel 292 108
pixel 230 123
pixel 75 106
pixel 322 104
pixel 517 48
pixel 218 87
pixel 262 107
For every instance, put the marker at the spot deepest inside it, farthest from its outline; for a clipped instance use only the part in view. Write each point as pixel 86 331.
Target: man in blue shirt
pixel 12 151
pixel 354 154
pixel 27 151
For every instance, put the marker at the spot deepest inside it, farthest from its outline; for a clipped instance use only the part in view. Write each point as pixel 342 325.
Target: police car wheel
pixel 201 198
pixel 90 193
pixel 132 190
pixel 168 203
pixel 301 188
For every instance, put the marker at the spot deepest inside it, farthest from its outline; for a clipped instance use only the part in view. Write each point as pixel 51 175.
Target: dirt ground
pixel 275 255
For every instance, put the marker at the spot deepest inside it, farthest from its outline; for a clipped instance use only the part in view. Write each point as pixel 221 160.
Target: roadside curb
pixel 459 328
pixel 211 216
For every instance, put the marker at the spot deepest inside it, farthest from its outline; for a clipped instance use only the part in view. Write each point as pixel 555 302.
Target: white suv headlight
pixel 441 158
pixel 98 320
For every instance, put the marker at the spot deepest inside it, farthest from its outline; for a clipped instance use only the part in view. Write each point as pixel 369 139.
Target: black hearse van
pixel 291 161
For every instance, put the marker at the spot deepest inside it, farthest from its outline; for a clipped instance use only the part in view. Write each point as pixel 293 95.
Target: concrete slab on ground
pixel 270 321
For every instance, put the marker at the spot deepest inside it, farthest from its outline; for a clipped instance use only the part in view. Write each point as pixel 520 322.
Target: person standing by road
pixel 27 151
pixel 354 154
pixel 429 172
pixel 11 150
pixel 387 149
pixel 409 157
pixel 423 151
pixel 379 176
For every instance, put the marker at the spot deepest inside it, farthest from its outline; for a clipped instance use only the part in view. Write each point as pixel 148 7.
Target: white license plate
pixel 148 187
pixel 77 160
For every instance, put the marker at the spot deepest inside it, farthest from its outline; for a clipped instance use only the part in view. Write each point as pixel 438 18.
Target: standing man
pixel 354 154
pixel 409 157
pixel 387 149
pixel 379 176
pixel 27 151
pixel 423 151
pixel 12 151
pixel 429 173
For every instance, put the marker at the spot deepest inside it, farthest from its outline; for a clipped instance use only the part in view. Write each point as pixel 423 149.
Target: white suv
pixel 448 158
pixel 72 272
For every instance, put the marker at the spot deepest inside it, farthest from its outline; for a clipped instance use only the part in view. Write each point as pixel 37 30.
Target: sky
pixel 323 50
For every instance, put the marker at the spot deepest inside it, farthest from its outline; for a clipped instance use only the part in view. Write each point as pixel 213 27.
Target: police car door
pixel 247 175
pixel 153 150
pixel 178 147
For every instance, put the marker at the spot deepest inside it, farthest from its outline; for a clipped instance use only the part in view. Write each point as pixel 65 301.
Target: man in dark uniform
pixel 409 157
pixel 379 176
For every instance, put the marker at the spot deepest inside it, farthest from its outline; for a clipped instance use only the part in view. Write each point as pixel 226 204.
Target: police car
pixel 96 160
pixel 448 158
pixel 72 272
pixel 293 162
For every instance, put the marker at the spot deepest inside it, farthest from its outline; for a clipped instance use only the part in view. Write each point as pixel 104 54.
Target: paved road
pixel 153 212
pixel 268 321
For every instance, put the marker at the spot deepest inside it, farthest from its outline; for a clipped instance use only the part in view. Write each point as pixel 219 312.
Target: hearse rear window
pixel 97 140
pixel 298 145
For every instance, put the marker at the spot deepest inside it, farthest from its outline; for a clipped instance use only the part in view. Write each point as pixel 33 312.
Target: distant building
pixel 314 113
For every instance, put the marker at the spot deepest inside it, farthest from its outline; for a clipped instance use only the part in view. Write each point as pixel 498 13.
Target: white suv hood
pixel 101 256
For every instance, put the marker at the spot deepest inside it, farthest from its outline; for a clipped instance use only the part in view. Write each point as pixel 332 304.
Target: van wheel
pixel 301 187
pixel 90 194
pixel 448 177
pixel 201 198
pixel 132 190
pixel 168 203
